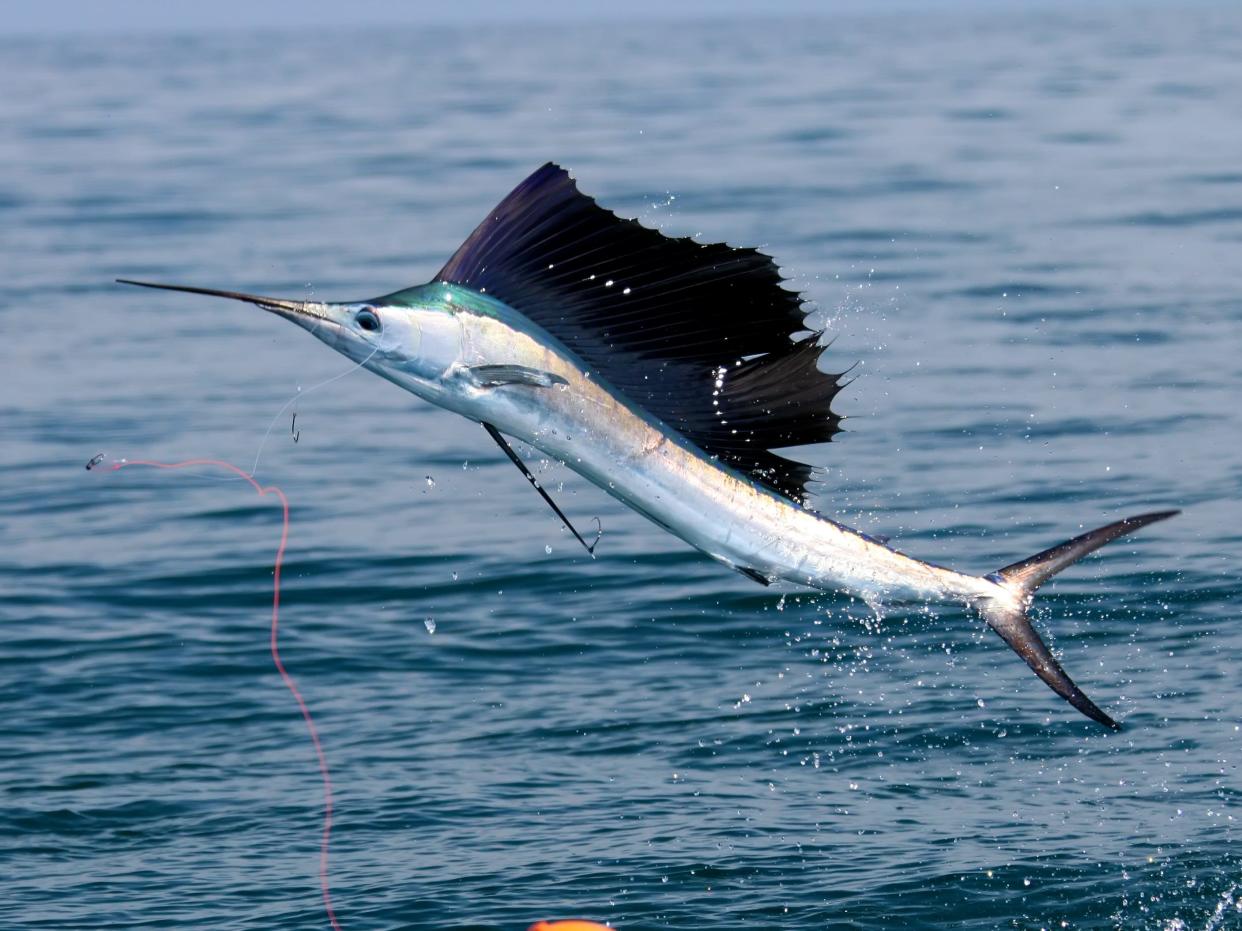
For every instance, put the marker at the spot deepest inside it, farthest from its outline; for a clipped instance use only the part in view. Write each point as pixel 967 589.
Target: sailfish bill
pixel 274 303
pixel 673 374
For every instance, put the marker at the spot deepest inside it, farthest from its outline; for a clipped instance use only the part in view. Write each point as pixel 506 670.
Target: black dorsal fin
pixel 699 335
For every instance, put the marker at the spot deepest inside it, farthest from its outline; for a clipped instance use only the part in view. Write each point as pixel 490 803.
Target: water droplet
pixel 431 482
pixel 547 548
pixel 430 624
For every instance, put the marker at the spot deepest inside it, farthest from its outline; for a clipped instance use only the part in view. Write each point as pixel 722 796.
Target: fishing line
pixel 285 677
pixel 301 394
pixel 264 491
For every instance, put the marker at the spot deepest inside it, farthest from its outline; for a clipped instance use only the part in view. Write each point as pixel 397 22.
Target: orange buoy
pixel 573 924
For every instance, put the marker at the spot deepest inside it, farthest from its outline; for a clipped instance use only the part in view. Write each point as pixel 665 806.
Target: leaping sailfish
pixel 667 372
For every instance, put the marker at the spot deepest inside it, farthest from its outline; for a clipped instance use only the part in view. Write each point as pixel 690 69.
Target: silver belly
pixel 710 507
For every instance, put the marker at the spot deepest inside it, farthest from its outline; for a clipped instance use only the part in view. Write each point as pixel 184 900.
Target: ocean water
pixel 1023 225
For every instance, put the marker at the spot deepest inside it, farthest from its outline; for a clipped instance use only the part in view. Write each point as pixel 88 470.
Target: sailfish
pixel 673 374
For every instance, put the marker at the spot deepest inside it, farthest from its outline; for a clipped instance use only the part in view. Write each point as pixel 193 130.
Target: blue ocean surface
pixel 1023 223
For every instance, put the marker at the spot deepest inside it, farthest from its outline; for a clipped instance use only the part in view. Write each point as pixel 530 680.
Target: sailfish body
pixel 574 415
pixel 666 372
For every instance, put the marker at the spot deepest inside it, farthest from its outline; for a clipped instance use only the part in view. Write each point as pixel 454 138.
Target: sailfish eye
pixel 368 319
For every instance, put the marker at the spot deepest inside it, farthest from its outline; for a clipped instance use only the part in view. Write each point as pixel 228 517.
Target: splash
pixel 1229 902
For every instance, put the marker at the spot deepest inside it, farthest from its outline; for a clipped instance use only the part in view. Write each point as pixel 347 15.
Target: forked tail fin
pixel 1010 620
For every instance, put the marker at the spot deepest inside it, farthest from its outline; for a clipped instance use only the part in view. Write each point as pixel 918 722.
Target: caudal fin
pixel 1010 620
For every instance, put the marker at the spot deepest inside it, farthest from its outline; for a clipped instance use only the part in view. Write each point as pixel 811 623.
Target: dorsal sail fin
pixel 699 335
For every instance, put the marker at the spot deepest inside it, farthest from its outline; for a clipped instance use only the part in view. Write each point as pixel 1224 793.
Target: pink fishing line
pixel 280 666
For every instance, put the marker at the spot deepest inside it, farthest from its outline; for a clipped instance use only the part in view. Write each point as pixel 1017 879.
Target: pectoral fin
pixel 496 376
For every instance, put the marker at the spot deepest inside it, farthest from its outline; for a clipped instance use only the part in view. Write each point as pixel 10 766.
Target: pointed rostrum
pixel 701 336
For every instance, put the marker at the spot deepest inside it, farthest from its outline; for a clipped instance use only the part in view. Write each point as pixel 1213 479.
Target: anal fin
pixel 754 574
